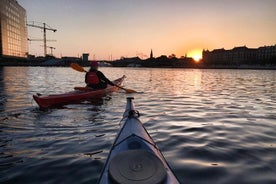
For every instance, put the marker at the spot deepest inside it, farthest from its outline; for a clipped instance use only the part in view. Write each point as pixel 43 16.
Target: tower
pixel 151 54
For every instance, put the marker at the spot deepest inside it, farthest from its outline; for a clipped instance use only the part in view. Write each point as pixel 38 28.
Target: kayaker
pixel 96 79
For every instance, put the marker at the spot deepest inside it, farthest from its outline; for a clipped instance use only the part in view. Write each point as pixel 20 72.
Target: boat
pixel 134 157
pixel 78 95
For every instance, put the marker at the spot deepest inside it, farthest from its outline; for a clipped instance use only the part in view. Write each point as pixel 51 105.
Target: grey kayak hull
pixel 134 157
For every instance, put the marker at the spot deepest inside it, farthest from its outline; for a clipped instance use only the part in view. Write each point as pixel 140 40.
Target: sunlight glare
pixel 196 54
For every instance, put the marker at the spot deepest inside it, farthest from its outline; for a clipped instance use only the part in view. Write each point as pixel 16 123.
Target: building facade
pixel 13 29
pixel 266 52
pixel 240 55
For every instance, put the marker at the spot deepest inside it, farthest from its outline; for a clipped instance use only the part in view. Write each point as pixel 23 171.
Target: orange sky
pixel 111 29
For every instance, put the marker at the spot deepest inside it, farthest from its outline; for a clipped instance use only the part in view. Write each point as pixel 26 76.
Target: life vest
pixel 92 78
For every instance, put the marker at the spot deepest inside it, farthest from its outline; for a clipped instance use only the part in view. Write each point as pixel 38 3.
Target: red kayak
pixel 80 94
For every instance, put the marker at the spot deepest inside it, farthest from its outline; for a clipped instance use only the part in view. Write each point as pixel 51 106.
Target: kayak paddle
pixel 127 90
pixel 79 68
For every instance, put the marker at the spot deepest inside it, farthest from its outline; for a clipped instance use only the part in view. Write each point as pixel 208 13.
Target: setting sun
pixel 196 54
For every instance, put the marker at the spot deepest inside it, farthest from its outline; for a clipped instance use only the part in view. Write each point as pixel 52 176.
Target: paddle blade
pixel 130 91
pixel 77 67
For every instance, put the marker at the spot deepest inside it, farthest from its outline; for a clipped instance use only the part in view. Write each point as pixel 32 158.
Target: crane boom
pixel 45 26
pixel 29 39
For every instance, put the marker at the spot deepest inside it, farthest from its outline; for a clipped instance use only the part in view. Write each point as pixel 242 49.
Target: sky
pixel 111 29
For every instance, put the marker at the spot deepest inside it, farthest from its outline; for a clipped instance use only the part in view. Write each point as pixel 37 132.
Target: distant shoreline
pixel 12 62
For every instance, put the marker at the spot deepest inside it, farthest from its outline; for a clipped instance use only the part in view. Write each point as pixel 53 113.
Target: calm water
pixel 213 126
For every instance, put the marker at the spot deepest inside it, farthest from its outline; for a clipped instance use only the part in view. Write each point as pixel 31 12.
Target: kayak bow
pixel 134 157
pixel 80 94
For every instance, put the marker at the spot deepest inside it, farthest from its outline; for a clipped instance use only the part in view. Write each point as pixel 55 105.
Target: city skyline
pixel 112 29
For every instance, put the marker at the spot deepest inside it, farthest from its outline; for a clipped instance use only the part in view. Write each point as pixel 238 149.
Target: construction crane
pixel 30 40
pixel 51 48
pixel 44 28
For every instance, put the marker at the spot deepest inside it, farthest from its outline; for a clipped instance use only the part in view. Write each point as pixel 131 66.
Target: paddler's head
pixel 94 65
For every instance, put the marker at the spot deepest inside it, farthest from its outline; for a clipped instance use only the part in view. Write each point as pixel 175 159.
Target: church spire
pixel 151 54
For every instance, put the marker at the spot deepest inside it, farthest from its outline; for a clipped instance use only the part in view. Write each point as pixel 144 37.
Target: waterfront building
pixel 13 30
pixel 266 52
pixel 240 55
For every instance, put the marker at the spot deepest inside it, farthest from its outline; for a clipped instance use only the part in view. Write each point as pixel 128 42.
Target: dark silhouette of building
pixel 240 55
pixel 267 53
pixel 13 29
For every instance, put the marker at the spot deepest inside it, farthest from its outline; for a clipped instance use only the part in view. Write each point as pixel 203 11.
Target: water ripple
pixel 213 126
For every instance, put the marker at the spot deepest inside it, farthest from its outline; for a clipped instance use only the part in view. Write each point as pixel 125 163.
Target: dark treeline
pixel 159 62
